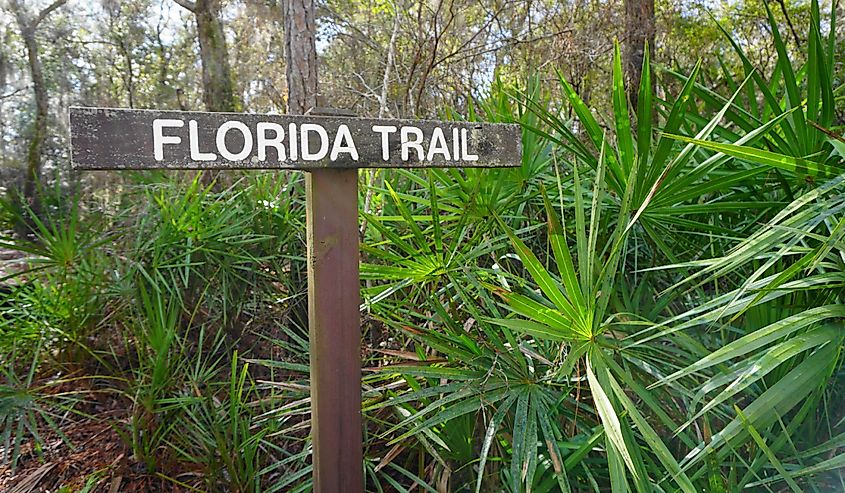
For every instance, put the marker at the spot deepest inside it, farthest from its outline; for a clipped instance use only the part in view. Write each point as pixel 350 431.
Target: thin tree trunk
pixel 130 77
pixel 218 90
pixel 382 110
pixel 32 179
pixel 300 55
pixel 28 27
pixel 3 82
pixel 639 30
pixel 217 87
pixel 385 82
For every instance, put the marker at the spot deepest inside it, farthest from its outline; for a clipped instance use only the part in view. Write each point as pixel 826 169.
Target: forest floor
pixel 84 452
pixel 92 457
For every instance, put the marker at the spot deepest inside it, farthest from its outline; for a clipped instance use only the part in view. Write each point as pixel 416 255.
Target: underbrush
pixel 652 301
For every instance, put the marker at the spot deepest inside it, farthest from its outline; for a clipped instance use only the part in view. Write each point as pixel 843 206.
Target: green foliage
pixel 156 331
pixel 65 307
pixel 579 332
pixel 652 301
pixel 219 436
pixel 27 405
pixel 799 94
pixel 192 242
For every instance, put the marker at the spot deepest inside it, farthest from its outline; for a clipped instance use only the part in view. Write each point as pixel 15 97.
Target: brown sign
pixel 103 138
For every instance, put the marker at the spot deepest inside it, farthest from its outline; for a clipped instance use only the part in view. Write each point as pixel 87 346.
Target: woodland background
pixel 653 301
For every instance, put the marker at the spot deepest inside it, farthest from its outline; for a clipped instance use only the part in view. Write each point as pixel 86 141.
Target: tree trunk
pixel 28 27
pixel 3 82
pixel 639 30
pixel 382 111
pixel 32 179
pixel 129 76
pixel 300 55
pixel 217 87
pixel 218 90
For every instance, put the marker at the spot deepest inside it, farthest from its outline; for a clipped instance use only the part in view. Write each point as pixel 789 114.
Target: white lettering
pixel 263 142
pixel 193 138
pixel 407 144
pixel 159 139
pixel 293 145
pixel 438 145
pixel 464 144
pixel 385 131
pixel 343 134
pixel 305 129
pixel 456 152
pixel 221 141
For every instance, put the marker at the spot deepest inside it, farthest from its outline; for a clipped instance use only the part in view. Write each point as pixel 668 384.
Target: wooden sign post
pixel 331 149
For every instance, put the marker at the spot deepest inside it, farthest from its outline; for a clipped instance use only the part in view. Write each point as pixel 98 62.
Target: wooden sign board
pixel 103 138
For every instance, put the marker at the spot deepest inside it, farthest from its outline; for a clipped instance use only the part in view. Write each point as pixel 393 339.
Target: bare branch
pixel 14 93
pixel 342 21
pixel 44 13
pixel 188 4
pixel 391 49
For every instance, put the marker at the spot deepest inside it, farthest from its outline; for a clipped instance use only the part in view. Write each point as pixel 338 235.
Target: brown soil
pixel 93 456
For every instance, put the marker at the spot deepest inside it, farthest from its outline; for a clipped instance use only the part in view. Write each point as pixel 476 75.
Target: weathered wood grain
pixel 113 139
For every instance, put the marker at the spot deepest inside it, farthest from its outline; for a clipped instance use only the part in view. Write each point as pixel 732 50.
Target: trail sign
pixel 147 139
pixel 331 149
